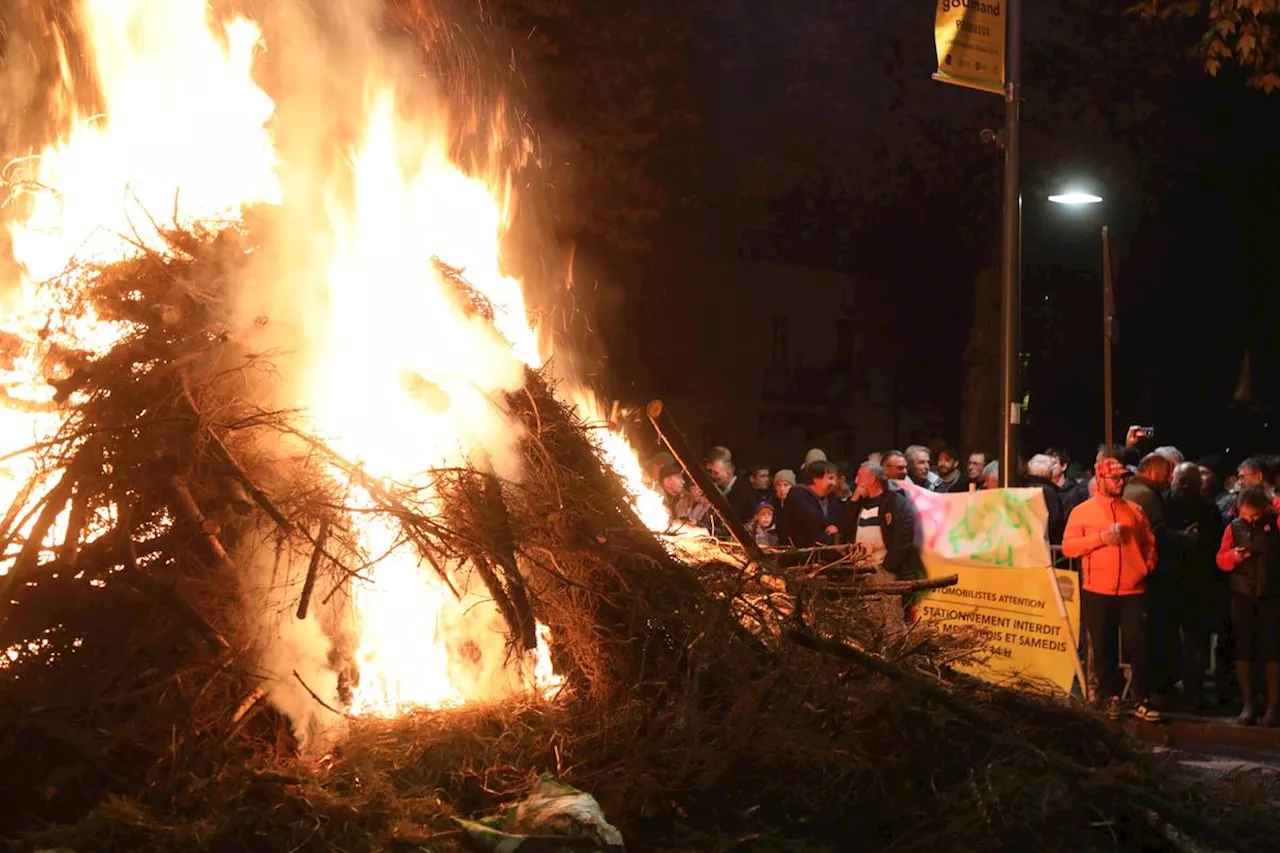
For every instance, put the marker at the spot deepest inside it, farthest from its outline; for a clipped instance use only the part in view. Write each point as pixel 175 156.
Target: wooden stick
pixel 19 501
pixel 889 587
pixel 818 555
pixel 249 702
pixel 29 556
pixel 671 436
pixel 70 550
pixel 187 508
pixel 494 510
pixel 259 496
pixel 232 465
pixel 310 584
pixel 237 497
pixel 314 696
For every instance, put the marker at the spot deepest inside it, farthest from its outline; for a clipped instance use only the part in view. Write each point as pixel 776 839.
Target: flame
pixel 395 370
pixel 405 378
pixel 622 458
pixel 183 128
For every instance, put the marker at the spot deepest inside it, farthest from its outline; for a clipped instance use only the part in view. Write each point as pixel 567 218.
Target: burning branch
pixel 310 584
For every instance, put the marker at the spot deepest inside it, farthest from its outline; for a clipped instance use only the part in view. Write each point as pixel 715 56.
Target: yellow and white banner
pixel 992 527
pixel 969 36
pixel 1030 618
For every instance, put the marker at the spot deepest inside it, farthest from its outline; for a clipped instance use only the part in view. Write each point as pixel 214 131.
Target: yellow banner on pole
pixel 1030 627
pixel 969 36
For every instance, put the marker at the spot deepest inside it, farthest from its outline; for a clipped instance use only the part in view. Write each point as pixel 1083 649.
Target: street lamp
pixel 1077 198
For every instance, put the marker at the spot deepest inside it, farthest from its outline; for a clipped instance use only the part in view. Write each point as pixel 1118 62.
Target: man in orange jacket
pixel 1117 551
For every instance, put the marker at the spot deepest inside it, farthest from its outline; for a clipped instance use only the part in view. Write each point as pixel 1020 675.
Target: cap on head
pixel 815 454
pixel 670 470
pixel 786 475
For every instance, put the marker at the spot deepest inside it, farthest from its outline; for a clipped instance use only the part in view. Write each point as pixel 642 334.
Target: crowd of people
pixel 1175 557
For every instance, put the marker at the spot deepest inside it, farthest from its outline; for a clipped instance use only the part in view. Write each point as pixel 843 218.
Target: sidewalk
pixel 1178 730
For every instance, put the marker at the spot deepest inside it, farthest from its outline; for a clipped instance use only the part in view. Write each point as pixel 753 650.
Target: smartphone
pixel 1147 432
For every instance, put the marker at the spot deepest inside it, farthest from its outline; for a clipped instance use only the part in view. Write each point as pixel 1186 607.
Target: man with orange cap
pixel 1117 551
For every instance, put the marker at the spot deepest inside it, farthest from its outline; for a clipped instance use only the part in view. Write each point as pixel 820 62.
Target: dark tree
pixel 1241 34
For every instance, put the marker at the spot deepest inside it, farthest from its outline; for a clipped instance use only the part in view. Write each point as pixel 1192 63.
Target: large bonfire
pixel 284 457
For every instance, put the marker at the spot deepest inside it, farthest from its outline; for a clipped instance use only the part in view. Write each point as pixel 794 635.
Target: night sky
pixel 821 141
pixel 677 136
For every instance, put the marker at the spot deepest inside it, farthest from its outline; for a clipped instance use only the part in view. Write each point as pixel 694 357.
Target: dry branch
pixel 981 726
pixel 309 585
pixel 887 588
pixel 185 507
pixel 29 556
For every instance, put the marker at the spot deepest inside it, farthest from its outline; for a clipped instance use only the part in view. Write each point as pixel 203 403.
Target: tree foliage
pixel 1240 33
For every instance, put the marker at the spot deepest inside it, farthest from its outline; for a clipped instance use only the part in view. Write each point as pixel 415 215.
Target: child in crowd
pixel 761 526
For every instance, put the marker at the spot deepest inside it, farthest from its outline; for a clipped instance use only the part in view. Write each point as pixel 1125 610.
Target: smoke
pixel 293 654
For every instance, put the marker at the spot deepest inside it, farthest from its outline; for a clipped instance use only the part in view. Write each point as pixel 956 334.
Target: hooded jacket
pixel 1110 569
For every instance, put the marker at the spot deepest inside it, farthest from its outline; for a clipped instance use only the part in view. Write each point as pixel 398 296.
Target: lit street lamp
pixel 1076 198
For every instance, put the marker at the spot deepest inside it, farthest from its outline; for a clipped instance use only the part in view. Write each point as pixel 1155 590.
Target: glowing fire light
pixel 617 451
pixel 183 129
pixel 396 371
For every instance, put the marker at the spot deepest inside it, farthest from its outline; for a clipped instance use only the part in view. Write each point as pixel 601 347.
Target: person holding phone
pixel 1250 552
pixel 1117 552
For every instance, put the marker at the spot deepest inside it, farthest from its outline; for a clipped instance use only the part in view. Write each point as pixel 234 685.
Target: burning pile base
pixel 701 707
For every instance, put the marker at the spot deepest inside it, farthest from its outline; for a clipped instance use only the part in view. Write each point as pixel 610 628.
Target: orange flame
pixel 393 371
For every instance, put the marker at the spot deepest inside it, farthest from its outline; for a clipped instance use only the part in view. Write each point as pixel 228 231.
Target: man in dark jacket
pixel 736 490
pixel 880 519
pixel 1147 489
pixel 1199 591
pixel 811 511
pixel 1040 476
pixel 883 521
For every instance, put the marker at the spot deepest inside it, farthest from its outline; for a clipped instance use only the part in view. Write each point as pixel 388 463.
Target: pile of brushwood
pixel 729 705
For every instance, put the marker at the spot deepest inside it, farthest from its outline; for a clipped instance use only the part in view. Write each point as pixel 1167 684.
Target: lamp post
pixel 1077 198
pixel 1010 246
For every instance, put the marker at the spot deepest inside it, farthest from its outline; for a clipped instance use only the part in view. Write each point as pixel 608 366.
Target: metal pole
pixel 1108 335
pixel 1009 407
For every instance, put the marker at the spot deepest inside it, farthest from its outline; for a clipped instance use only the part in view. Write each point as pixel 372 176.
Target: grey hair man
pixel 737 491
pixel 918 468
pixel 881 521
pixel 1040 465
pixel 1040 475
